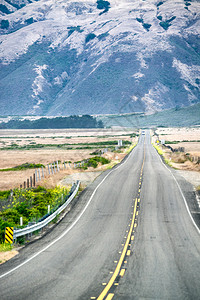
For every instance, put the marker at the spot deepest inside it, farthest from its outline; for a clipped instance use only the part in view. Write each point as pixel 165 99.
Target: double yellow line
pixel 124 252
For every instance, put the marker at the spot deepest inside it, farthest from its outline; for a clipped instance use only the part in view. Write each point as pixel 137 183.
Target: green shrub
pixel 5 247
pixel 4 194
pixel 24 166
pixel 29 21
pixel 164 25
pixel 102 4
pixel 139 20
pixel 93 162
pixel 4 24
pixel 31 205
pixel 90 37
pixel 146 26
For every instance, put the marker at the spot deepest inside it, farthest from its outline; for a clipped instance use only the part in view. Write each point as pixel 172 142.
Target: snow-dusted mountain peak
pixel 119 56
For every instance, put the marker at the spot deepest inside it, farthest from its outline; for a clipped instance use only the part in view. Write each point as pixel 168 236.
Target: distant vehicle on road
pixel 143 132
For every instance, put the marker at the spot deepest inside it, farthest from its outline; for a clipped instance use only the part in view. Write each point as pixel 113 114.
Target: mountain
pixel 78 57
pixel 174 117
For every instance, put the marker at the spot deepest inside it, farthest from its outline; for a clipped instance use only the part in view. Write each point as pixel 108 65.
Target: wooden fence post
pixel 34 179
pixel 31 182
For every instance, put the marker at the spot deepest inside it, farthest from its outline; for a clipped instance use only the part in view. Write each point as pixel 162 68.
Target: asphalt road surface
pixel 130 236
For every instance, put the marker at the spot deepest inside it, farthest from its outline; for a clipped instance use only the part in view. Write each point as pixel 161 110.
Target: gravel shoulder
pixel 85 178
pixel 191 176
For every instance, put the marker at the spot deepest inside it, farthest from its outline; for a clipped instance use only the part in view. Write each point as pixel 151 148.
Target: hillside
pixel 97 57
pixel 176 117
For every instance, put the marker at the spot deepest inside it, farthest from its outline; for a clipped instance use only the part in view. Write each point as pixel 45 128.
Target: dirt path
pixel 4 256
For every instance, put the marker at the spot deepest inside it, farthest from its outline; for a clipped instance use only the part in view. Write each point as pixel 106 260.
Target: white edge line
pixel 71 226
pixel 188 210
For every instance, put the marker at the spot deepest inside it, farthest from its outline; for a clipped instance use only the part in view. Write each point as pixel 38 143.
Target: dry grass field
pixel 188 139
pixel 13 153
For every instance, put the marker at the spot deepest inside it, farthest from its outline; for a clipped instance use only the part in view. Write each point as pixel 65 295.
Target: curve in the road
pixel 70 227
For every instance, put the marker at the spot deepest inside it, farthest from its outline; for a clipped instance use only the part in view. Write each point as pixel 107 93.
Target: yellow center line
pixel 124 252
pixel 116 272
pixel 109 297
pixel 122 272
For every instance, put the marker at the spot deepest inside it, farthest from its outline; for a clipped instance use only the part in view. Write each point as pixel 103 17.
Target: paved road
pixel 162 258
pixel 165 262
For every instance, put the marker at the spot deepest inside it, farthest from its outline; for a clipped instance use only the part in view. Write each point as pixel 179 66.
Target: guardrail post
pixel 48 209
pixel 54 166
pixel 52 169
pixel 27 183
pixel 24 184
pixel 21 221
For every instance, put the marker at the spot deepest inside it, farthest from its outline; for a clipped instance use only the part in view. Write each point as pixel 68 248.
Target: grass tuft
pixel 5 247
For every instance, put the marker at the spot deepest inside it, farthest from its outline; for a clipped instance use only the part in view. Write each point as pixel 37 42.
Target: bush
pixel 24 166
pixel 31 205
pixel 165 25
pixel 4 194
pixel 93 162
pixel 139 20
pixel 4 24
pixel 102 4
pixel 146 26
pixel 29 21
pixel 90 37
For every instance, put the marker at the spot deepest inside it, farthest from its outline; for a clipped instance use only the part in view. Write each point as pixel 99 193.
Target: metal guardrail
pixel 39 225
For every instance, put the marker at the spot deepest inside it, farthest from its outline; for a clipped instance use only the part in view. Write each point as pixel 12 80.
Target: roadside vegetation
pixel 5 247
pixel 161 153
pixel 66 146
pixel 24 166
pixel 30 204
pixel 93 162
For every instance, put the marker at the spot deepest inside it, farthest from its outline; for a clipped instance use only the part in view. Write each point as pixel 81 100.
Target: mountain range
pixel 68 57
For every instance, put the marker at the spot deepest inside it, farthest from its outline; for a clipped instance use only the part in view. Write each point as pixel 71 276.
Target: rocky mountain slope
pixel 62 57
